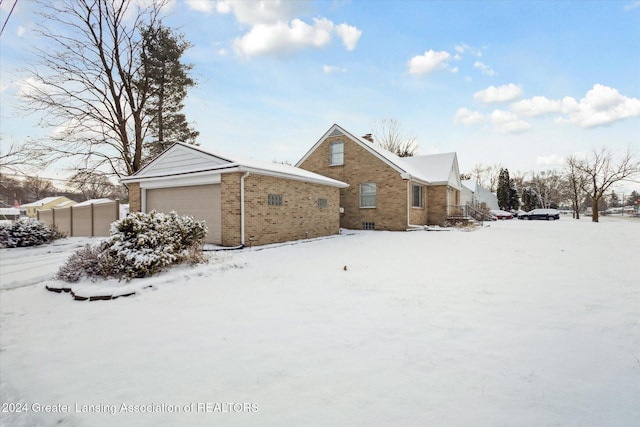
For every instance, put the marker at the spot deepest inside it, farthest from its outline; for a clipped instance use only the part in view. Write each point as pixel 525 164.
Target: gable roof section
pixel 429 169
pixel 181 160
pixel 438 169
pixel 335 130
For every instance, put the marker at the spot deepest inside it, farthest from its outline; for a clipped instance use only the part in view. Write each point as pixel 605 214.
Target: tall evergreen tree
pixel 166 79
pixel 503 189
pixel 514 201
pixel 633 199
pixel 530 199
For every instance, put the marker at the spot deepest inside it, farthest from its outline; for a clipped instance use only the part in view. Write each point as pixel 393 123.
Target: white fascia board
pixel 196 178
pixel 410 177
pixel 324 181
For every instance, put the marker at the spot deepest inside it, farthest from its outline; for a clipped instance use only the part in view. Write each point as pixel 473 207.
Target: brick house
pixel 385 192
pixel 243 202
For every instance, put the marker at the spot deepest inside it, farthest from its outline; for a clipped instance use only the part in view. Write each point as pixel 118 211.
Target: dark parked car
pixel 546 214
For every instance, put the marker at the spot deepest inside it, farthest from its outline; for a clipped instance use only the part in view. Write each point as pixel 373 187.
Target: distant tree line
pixel 584 182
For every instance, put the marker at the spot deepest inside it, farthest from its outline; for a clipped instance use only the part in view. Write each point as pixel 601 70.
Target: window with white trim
pixel 368 195
pixel 417 196
pixel 336 153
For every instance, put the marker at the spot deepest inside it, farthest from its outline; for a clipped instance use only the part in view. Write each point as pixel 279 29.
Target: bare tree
pixel 11 158
pixel 602 171
pixel 39 187
pixel 94 185
pixel 487 176
pixel 86 81
pixel 17 158
pixel 388 134
pixel 549 186
pixel 576 181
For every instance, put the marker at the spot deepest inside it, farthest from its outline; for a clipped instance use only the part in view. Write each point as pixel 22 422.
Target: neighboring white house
pixel 477 196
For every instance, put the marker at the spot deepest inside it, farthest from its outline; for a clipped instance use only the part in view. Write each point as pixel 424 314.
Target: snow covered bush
pixel 81 263
pixel 140 245
pixel 27 232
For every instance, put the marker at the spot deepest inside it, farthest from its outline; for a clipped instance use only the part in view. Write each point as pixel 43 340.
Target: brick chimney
pixel 368 137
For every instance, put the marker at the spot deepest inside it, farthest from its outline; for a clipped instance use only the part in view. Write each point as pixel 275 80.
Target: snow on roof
pixel 41 202
pixel 245 165
pixel 94 202
pixel 470 184
pixel 434 168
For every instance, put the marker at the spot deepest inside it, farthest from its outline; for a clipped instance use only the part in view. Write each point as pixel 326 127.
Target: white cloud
pixel 504 122
pixel 538 105
pixel 602 105
pixel 468 117
pixel 328 69
pixel 504 93
pixel 485 69
pixel 276 30
pixel 201 5
pixel 463 48
pixel 507 122
pixel 282 39
pixel 633 5
pixel 349 35
pixel 429 62
pixel 550 160
pixel 21 31
pixel 261 12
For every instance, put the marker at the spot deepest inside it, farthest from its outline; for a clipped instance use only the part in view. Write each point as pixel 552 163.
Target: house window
pixel 274 199
pixel 368 195
pixel 368 225
pixel 418 196
pixel 322 203
pixel 336 153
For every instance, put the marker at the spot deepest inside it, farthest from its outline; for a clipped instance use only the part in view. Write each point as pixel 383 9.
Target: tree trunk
pixel 594 210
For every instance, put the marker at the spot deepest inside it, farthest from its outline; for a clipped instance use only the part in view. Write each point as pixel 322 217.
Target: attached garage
pixel 243 202
pixel 203 202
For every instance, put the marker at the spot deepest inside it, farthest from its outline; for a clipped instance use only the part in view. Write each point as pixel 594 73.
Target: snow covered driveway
pixel 523 323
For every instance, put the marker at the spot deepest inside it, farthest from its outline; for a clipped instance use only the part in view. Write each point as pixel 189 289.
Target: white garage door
pixel 203 202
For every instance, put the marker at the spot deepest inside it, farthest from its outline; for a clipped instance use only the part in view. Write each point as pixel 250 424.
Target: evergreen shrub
pixel 27 232
pixel 140 245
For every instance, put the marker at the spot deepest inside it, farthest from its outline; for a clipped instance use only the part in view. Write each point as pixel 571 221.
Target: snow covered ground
pixel 522 323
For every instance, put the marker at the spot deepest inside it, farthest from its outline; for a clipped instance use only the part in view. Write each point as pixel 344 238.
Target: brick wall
pixel 360 166
pixel 419 216
pixel 439 201
pixel 298 217
pixel 230 200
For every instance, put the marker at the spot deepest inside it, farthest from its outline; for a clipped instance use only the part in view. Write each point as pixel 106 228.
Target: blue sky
pixel 521 84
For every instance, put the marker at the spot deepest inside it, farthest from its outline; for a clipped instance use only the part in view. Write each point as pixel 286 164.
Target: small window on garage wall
pixel 418 196
pixel 274 199
pixel 322 203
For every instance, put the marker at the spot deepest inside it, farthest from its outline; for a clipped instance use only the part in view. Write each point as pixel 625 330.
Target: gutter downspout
pixel 242 207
